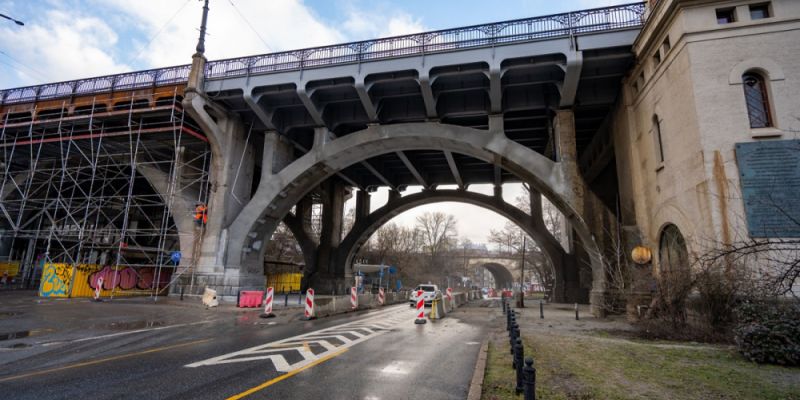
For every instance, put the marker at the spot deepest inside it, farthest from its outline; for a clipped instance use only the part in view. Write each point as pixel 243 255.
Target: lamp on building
pixel 641 255
pixel 18 22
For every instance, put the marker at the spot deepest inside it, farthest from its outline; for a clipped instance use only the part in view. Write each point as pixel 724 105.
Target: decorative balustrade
pixel 521 30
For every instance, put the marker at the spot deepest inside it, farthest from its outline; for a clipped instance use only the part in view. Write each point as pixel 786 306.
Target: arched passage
pixel 364 228
pixel 275 196
pixel 502 276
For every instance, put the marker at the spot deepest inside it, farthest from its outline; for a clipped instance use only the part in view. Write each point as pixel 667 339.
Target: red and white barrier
pixel 354 297
pixel 420 309
pixel 309 314
pixel 97 288
pixel 449 294
pixel 268 303
pixel 381 297
pixel 250 298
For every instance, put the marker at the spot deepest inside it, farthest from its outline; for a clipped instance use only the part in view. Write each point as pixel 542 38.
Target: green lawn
pixel 593 367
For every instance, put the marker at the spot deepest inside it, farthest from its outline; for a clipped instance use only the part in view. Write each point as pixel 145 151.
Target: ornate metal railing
pixel 549 26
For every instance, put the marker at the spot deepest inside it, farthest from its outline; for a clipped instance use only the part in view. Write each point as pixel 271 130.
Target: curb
pixel 476 385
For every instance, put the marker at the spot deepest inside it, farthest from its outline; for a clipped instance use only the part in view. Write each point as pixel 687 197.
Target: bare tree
pixel 436 230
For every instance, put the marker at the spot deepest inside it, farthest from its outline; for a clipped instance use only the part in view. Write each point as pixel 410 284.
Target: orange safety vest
pixel 200 213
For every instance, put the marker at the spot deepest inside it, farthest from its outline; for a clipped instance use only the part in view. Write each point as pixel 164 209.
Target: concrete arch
pixel 364 228
pixel 275 196
pixel 502 276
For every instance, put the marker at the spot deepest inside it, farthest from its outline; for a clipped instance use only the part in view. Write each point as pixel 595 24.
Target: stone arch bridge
pixel 527 101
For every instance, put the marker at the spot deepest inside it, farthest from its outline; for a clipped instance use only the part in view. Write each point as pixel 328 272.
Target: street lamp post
pixel 16 21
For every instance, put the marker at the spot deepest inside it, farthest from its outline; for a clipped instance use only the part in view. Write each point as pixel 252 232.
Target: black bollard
pixel 577 318
pixel 529 380
pixel 285 297
pixel 181 293
pixel 515 334
pixel 518 355
pixel 299 297
pixel 503 303
pixel 541 309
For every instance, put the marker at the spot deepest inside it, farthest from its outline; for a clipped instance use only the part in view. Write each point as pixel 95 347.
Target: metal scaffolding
pixel 102 181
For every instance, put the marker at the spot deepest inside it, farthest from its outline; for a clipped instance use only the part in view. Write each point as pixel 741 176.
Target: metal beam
pixel 338 173
pixel 412 169
pixel 454 168
pixel 378 175
pixel 572 74
pixel 366 101
pixel 427 94
pixel 311 108
pixel 264 116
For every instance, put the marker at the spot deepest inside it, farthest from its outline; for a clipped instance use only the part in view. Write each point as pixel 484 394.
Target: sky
pixel 72 39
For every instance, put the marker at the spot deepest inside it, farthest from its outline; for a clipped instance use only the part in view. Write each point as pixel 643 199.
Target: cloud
pixel 235 28
pixel 69 45
pixel 361 25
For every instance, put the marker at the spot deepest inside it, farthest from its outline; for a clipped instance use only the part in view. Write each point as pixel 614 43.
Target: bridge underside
pixel 262 146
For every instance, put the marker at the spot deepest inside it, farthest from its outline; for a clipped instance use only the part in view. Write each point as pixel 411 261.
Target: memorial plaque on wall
pixel 769 173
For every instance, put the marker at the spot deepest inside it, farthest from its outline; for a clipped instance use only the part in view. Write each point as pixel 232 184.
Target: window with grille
pixel 757 100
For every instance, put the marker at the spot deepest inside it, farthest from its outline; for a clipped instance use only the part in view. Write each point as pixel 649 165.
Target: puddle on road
pixel 131 325
pixel 14 335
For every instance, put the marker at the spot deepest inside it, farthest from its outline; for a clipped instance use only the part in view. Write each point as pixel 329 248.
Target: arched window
pixel 755 95
pixel 672 253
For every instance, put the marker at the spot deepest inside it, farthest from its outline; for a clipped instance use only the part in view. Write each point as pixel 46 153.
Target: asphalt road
pixel 365 355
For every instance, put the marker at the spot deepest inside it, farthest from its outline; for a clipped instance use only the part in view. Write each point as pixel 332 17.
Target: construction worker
pixel 201 214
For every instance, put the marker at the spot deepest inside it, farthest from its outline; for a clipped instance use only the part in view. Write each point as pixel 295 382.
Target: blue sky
pixel 71 39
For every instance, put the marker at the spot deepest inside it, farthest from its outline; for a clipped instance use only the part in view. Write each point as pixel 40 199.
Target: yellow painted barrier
pixel 285 281
pixel 10 267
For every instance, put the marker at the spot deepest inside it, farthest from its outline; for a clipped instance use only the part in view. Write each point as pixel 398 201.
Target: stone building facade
pixel 709 75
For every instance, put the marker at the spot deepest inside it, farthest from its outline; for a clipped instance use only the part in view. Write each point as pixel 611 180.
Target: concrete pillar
pixel 327 276
pixel 393 195
pixel 362 204
pixel 567 157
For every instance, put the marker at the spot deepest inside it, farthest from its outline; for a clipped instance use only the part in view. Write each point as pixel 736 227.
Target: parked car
pixel 429 292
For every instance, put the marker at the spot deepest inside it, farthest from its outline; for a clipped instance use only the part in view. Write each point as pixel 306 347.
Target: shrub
pixel 769 332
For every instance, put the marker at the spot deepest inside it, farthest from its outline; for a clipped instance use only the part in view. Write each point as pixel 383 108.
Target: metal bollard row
pixel 523 367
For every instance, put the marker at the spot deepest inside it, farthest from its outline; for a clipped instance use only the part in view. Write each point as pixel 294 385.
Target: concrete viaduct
pixel 517 101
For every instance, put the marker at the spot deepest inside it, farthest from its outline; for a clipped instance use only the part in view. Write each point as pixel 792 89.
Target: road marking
pixel 124 333
pixel 329 340
pixel 102 360
pixel 286 375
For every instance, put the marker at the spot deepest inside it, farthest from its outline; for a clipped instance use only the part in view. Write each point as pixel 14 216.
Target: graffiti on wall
pixel 125 279
pixel 56 279
pixel 119 281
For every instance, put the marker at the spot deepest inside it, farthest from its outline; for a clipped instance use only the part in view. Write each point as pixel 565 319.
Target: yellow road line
pixel 286 375
pixel 102 360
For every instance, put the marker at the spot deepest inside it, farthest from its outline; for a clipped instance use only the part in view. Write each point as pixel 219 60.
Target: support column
pixel 393 195
pixel 567 157
pixel 328 276
pixel 362 205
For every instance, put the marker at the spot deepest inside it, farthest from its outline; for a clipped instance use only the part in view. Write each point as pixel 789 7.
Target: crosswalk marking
pixel 329 340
